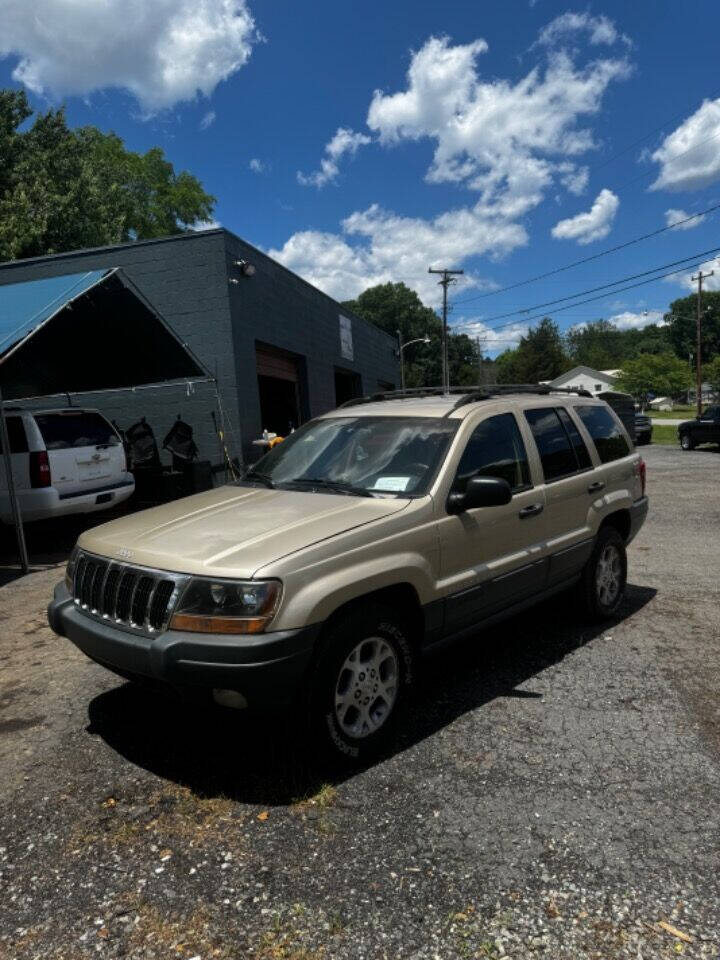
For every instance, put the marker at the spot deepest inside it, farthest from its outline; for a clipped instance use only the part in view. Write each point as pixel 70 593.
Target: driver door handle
pixel 598 485
pixel 532 511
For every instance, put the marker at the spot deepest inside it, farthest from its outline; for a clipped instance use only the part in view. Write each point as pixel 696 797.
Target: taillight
pixel 643 474
pixel 39 469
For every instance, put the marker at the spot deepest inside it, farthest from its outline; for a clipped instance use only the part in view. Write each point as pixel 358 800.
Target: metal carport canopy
pixel 80 333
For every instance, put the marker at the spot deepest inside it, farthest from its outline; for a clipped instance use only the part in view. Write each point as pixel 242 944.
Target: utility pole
pixel 448 277
pixel 698 356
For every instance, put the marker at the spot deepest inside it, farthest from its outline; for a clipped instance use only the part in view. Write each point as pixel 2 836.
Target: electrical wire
pixel 595 256
pixel 570 306
pixel 603 286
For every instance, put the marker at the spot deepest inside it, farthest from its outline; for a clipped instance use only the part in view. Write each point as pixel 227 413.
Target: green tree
pixel 662 374
pixel 711 374
pixel 598 344
pixel 682 325
pixel 393 307
pixel 63 189
pixel 539 356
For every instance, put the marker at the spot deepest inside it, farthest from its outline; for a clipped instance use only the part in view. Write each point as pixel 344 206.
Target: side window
pixel 556 454
pixel 16 434
pixel 495 449
pixel 578 444
pixel 607 435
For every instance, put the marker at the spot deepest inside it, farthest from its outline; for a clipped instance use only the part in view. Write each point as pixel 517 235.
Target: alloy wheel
pixel 366 688
pixel 608 575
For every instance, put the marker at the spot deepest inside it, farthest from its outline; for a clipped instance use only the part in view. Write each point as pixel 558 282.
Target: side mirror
pixel 480 492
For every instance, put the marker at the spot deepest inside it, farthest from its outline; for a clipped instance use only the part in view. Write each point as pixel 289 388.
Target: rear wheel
pixel 687 442
pixel 605 575
pixel 362 683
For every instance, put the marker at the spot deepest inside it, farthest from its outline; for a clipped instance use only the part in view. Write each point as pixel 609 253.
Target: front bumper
pixel 268 669
pixel 638 513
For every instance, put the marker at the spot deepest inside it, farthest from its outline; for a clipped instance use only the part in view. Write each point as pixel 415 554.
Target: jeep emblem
pixel 125 554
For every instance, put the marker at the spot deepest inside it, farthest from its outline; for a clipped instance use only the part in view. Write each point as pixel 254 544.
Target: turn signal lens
pixel 227 606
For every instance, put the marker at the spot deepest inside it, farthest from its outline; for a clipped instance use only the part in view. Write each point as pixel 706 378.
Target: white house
pixel 586 378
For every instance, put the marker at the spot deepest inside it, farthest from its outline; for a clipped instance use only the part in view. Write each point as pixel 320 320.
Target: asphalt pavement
pixel 553 794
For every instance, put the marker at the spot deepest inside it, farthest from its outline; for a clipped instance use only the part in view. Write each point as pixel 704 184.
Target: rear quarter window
pixel 607 434
pixel 62 431
pixel 16 435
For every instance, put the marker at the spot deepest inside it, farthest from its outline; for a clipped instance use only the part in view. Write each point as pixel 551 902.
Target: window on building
pixel 607 435
pixel 495 449
pixel 598 387
pixel 556 452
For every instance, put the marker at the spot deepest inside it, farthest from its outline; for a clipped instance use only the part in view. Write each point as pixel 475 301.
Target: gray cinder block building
pixel 281 350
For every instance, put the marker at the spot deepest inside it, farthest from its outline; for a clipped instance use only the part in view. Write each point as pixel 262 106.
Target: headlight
pixel 227 606
pixel 70 569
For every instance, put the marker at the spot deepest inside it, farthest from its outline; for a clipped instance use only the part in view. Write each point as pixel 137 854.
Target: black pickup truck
pixel 703 429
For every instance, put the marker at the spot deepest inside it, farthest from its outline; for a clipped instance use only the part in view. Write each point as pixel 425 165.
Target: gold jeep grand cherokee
pixel 348 551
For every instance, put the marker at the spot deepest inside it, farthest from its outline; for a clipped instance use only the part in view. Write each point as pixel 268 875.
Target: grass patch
pixel 664 435
pixel 323 798
pixel 174 818
pixel 679 413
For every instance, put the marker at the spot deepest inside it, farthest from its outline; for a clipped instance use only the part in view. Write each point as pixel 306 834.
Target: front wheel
pixel 687 442
pixel 362 683
pixel 605 575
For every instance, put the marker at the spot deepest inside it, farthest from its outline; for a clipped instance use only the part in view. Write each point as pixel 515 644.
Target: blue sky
pixel 361 143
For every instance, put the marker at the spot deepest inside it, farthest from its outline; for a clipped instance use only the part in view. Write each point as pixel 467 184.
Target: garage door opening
pixel 348 385
pixel 279 384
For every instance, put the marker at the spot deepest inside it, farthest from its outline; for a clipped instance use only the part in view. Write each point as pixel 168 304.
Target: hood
pixel 232 531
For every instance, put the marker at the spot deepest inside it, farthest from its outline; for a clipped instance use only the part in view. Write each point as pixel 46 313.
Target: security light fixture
pixel 247 269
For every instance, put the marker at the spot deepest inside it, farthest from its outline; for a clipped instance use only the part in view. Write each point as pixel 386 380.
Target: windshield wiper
pixel 337 486
pixel 262 477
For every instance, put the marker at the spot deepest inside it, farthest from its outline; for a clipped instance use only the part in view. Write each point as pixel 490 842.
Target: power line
pixel 621 153
pixel 603 286
pixel 570 306
pixel 595 256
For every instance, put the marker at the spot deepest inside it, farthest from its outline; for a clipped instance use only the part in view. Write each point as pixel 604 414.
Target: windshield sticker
pixel 391 483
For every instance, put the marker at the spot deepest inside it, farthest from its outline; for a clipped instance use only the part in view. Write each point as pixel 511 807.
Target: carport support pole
pixel 14 504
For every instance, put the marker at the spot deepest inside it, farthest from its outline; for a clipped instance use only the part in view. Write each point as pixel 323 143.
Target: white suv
pixel 64 461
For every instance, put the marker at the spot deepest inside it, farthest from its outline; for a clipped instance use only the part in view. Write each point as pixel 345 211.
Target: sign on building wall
pixel 346 341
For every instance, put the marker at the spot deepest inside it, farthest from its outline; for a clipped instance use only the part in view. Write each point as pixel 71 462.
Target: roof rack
pixel 465 395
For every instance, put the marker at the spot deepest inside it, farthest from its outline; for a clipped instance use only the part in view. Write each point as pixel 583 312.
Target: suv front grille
pixel 134 597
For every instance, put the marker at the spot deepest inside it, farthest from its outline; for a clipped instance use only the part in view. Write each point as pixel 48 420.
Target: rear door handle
pixel 594 487
pixel 532 511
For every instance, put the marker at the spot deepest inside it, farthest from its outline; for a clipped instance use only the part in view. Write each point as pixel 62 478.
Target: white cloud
pixel 163 52
pixel 205 225
pixel 628 320
pixel 208 120
pixel 573 178
pixel 674 218
pixel 258 166
pixel 689 157
pixel 492 341
pixel 507 142
pixel 378 246
pixel 685 277
pixel 344 141
pixel 493 136
pixel 599 30
pixel 591 225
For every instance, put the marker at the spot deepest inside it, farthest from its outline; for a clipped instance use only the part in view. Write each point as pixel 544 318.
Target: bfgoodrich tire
pixel 362 684
pixel 605 575
pixel 687 442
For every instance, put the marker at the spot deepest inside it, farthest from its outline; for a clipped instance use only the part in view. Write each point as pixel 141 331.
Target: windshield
pixel 365 455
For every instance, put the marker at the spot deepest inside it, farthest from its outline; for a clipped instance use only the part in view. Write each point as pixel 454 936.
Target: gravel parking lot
pixel 554 793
